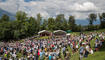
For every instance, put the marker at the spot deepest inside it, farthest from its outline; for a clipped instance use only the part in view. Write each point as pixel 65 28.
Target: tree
pixel 32 28
pixel 22 19
pixel 79 28
pixel 71 23
pixel 91 18
pixel 5 18
pixel 6 31
pixel 22 16
pixel 44 26
pixel 102 20
pixel 39 20
pixel 51 24
pixel 59 22
pixel 65 25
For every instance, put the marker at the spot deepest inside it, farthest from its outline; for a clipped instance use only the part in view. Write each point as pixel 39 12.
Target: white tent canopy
pixel 68 34
pixel 44 32
pixel 59 32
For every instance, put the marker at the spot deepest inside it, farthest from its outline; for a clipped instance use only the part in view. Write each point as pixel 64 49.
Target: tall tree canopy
pixel 4 18
pixel 71 23
pixel 102 20
pixel 59 21
pixel 25 26
pixel 51 24
pixel 21 16
pixel 39 21
pixel 91 18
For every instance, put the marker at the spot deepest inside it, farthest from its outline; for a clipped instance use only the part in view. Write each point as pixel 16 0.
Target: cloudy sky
pixel 79 8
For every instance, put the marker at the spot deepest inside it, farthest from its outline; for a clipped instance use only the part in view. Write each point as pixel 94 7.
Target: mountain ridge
pixel 12 16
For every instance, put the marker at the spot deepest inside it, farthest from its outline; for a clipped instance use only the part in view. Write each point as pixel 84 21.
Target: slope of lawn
pixel 99 55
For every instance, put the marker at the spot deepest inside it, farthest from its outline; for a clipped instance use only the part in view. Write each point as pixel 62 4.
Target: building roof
pixel 43 31
pixel 59 32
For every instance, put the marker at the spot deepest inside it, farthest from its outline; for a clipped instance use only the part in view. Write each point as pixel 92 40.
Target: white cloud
pixel 33 3
pixel 86 6
pixel 79 8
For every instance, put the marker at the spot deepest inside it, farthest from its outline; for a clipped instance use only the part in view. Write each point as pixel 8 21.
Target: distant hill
pixel 32 0
pixel 8 13
pixel 85 22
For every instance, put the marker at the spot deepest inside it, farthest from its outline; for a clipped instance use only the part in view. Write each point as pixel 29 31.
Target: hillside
pixel 85 22
pixel 12 16
pixel 99 55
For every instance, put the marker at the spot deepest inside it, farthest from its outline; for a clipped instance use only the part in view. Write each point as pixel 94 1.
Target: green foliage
pixel 21 16
pixel 51 24
pixel 102 20
pixel 19 28
pixel 71 23
pixel 39 19
pixel 91 18
pixel 5 30
pixel 79 28
pixel 25 26
pixel 4 18
pixel 62 55
pixel 59 22
pixel 44 26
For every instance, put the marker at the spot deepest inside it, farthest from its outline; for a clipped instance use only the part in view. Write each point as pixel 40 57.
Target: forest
pixel 24 26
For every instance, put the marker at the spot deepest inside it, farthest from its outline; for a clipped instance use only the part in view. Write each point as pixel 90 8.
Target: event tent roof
pixel 59 32
pixel 43 31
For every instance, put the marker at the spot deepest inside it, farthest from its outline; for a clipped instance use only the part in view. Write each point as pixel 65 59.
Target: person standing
pixel 50 57
pixel 81 51
pixel 87 48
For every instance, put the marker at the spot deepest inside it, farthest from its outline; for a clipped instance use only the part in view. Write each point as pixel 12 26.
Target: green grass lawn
pixel 99 55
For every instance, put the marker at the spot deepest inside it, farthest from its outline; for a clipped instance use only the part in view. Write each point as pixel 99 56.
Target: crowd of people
pixel 52 48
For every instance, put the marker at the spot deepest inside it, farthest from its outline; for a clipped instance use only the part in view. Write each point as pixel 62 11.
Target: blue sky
pixel 50 8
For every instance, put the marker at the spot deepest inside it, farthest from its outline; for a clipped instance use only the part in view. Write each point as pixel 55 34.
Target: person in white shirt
pixel 87 47
pixel 91 51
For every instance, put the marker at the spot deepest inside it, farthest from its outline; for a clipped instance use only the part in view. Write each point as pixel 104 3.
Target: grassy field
pixel 99 55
